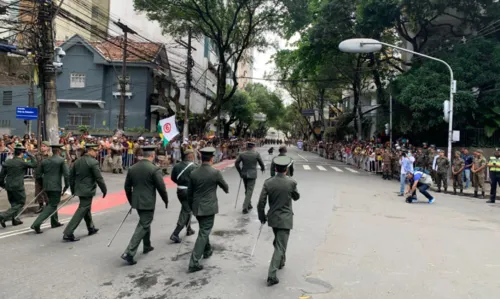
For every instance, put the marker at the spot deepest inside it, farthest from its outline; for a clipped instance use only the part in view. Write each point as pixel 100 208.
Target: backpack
pixel 426 179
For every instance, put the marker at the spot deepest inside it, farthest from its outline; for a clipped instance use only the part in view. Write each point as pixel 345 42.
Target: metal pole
pixel 182 241
pixel 60 207
pixel 128 213
pixel 256 241
pixel 238 194
pixel 25 207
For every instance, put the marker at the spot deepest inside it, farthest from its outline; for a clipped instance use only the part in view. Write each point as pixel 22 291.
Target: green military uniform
pixel 202 198
pixel 290 166
pixel 49 174
pixel 12 180
pixel 443 165
pixel 386 166
pixel 280 190
pixel 142 181
pixel 40 157
pixel 83 177
pixel 180 175
pixel 478 176
pixel 248 173
pixel 420 160
pixel 458 169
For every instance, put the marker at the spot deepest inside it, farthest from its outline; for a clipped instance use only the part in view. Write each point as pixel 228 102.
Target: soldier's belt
pixel 182 187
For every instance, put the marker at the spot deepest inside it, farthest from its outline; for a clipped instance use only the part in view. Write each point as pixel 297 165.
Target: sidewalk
pixel 109 178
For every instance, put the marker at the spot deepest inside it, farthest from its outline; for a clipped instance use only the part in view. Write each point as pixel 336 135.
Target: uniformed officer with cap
pixel 202 198
pixel 180 175
pixel 478 173
pixel 42 154
pixel 248 172
pixel 282 153
pixel 142 181
pixel 494 166
pixel 83 177
pixel 49 174
pixel 280 190
pixel 12 180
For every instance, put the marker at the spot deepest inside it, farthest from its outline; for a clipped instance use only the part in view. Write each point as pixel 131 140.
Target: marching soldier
pixel 180 175
pixel 83 177
pixel 248 173
pixel 280 190
pixel 443 164
pixel 116 155
pixel 478 172
pixel 49 175
pixel 142 181
pixel 494 166
pixel 282 153
pixel 202 198
pixel 386 166
pixel 12 180
pixel 457 170
pixel 43 153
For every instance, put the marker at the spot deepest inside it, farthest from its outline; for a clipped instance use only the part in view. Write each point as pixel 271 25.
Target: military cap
pixel 148 148
pixel 457 153
pixel 283 147
pixel 46 143
pixel 188 151
pixel 19 147
pixel 250 144
pixel 92 146
pixel 479 151
pixel 57 145
pixel 282 161
pixel 208 151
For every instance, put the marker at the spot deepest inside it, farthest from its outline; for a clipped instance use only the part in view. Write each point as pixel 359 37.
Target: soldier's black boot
pixel 461 191
pixel 129 259
pixel 120 170
pixel 93 231
pixel 148 249
pixel 175 238
pixel 245 211
pixel 439 190
pixel 16 222
pixel 454 191
pixel 445 190
pixel 272 281
pixel 195 268
pixel 483 195
pixel 70 238
pixel 37 230
pixel 250 207
pixel 190 231
pixel 2 223
pixel 114 170
pixel 475 194
pixel 58 224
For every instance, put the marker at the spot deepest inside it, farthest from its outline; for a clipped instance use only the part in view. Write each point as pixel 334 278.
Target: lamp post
pixel 367 45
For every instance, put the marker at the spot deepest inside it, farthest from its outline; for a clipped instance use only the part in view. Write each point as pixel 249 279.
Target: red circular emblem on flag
pixel 167 128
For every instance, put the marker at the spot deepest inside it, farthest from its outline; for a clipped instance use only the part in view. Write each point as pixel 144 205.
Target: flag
pixel 167 129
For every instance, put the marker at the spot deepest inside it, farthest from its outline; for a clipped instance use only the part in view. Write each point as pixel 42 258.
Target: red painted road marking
pixel 119 198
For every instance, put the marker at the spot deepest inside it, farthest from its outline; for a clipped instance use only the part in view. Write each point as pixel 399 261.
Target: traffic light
pixel 386 129
pixel 446 111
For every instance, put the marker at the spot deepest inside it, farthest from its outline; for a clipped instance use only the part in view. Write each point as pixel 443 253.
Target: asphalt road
pixel 353 238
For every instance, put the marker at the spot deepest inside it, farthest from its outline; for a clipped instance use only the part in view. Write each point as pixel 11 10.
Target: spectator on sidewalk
pixel 406 163
pixel 469 160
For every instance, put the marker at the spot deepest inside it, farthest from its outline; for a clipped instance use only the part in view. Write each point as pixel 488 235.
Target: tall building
pixel 94 13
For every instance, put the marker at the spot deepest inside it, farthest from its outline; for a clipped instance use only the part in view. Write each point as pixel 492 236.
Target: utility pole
pixel 31 92
pixel 187 96
pixel 47 71
pixel 123 80
pixel 390 118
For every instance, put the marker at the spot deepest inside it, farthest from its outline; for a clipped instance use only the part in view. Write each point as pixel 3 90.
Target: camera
pixel 59 52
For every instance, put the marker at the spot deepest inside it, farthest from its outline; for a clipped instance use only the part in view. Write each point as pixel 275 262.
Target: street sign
pixel 27 113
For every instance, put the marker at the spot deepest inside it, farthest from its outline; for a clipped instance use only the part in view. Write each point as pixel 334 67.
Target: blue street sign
pixel 27 113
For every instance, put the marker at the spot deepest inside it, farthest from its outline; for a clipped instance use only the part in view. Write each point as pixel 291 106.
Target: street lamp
pixel 368 45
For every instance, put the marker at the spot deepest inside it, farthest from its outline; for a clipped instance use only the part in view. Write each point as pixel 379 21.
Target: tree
pixel 234 27
pixel 241 109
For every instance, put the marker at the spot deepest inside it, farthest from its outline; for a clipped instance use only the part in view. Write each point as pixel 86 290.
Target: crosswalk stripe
pixel 321 168
pixel 306 167
pixel 351 170
pixel 337 169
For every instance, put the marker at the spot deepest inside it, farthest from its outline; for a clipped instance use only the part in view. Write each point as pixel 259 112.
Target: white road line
pixel 337 169
pixel 351 170
pixel 321 168
pixel 303 158
pixel 306 167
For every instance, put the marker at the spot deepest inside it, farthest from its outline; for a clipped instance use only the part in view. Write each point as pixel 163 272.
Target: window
pixel 4 123
pixel 127 85
pixel 7 98
pixel 78 119
pixel 77 80
pixel 95 12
